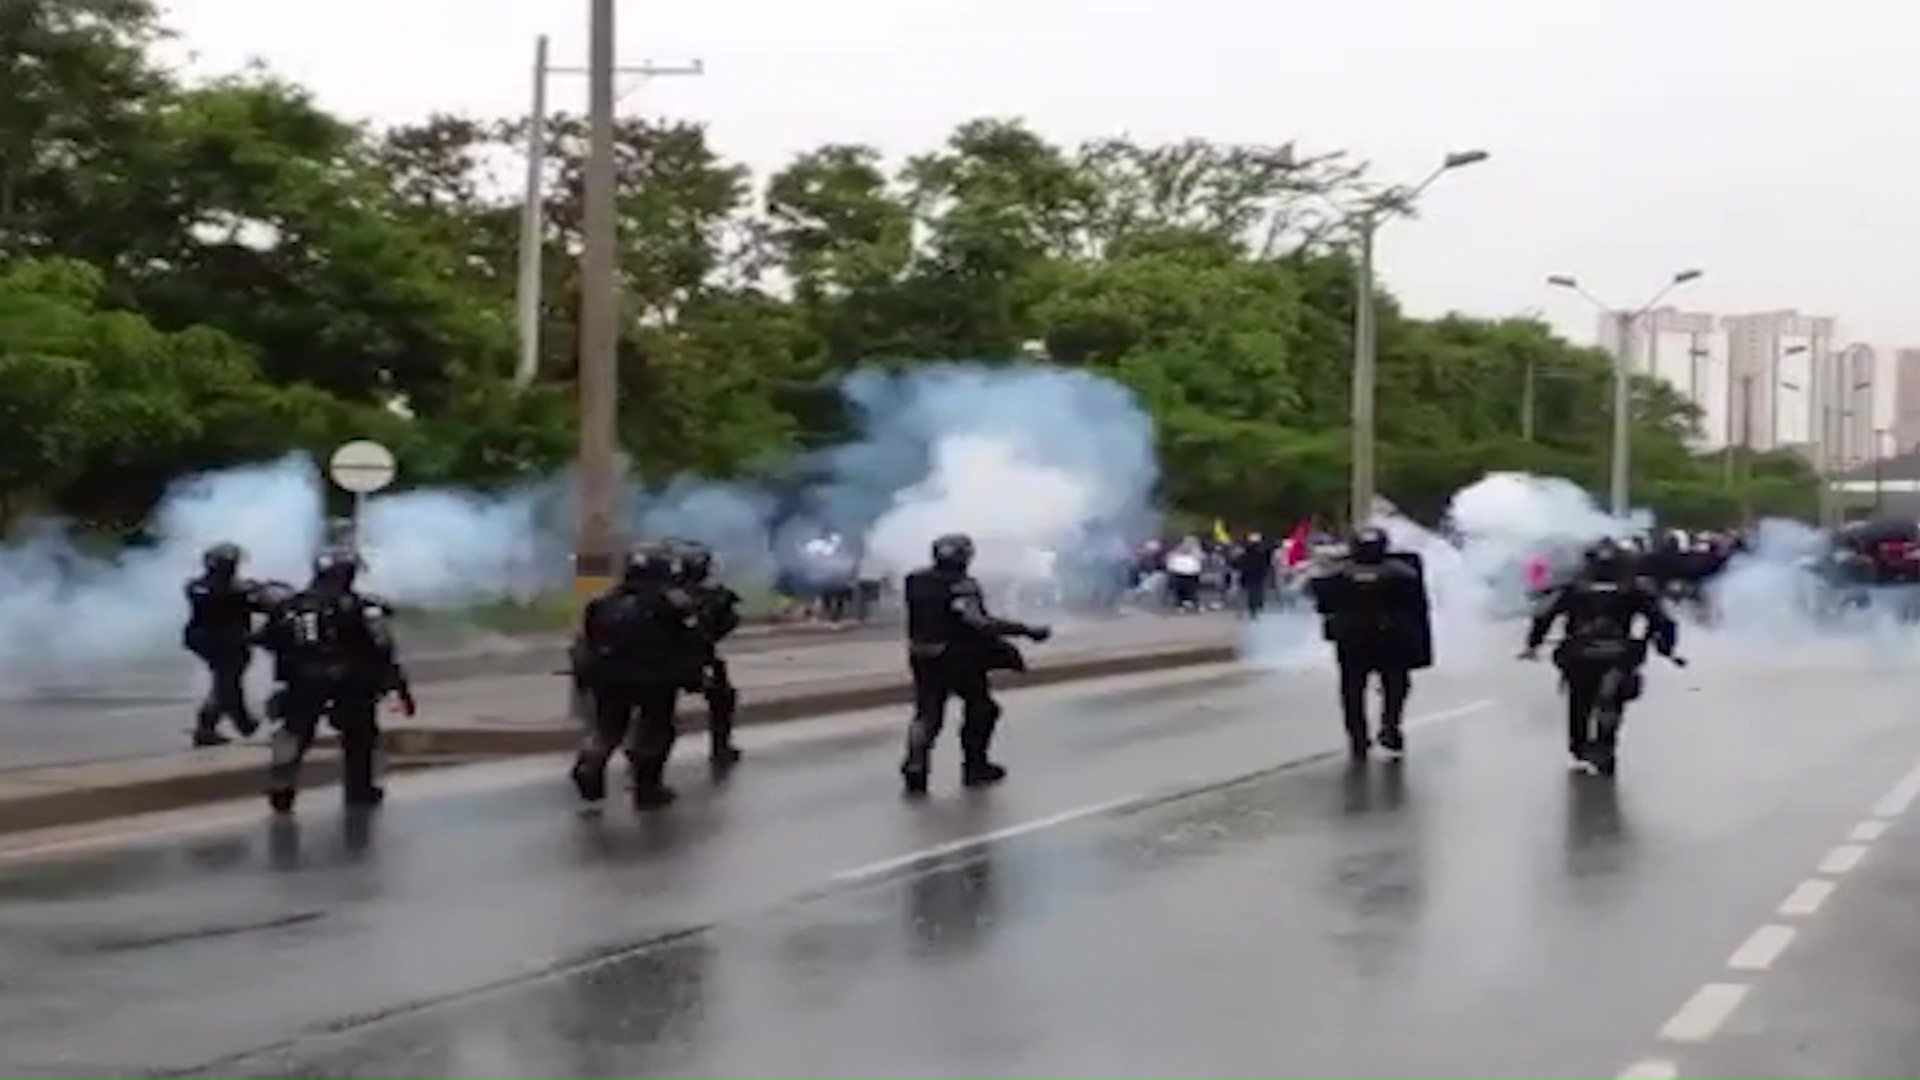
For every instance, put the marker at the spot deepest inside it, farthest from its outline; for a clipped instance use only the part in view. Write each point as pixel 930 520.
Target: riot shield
pixel 1419 643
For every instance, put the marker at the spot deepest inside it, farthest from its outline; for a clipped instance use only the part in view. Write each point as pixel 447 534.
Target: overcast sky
pixel 1771 143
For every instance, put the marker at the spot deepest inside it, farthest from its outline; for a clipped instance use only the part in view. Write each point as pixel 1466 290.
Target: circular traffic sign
pixel 362 467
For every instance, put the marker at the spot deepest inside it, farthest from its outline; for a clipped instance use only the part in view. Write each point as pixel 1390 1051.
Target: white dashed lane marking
pixel 1806 897
pixel 1762 948
pixel 1704 1012
pixel 1703 1015
pixel 1867 832
pixel 1842 859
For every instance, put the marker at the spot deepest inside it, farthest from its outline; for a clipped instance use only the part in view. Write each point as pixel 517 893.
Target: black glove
pixel 1039 633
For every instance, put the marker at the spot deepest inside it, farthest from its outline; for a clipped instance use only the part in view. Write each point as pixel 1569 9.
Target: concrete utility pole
pixel 597 544
pixel 1526 402
pixel 1624 322
pixel 533 212
pixel 1365 351
pixel 533 225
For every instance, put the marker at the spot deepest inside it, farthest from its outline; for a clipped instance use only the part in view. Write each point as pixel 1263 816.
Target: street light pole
pixel 1365 359
pixel 1879 464
pixel 1622 427
pixel 1621 455
pixel 1365 344
pixel 1773 393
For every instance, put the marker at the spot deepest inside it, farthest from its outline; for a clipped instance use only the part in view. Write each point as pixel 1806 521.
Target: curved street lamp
pixel 1365 353
pixel 1622 377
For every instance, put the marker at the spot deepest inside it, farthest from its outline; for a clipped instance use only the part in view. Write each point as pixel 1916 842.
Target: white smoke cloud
pixel 1031 460
pixel 1768 599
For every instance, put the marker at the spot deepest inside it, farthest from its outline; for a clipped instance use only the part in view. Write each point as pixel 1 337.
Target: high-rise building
pixel 1906 402
pixel 1778 380
pixel 1858 415
pixel 1774 360
pixel 1681 348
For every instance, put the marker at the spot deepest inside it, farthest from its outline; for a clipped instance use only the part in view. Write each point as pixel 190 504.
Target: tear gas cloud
pixel 1475 565
pixel 1037 463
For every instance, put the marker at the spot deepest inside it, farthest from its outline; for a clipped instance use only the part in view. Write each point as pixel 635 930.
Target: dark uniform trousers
pixel 935 679
pixel 1357 663
pixel 638 716
pixel 354 711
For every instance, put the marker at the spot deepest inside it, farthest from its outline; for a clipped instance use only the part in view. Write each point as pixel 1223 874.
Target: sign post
pixel 361 468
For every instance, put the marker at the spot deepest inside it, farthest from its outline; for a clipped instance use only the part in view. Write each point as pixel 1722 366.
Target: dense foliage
pixel 197 275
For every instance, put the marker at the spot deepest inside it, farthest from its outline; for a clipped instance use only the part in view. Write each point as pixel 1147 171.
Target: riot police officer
pixel 641 644
pixel 718 608
pixel 220 609
pixel 952 646
pixel 1373 608
pixel 336 659
pixel 1600 607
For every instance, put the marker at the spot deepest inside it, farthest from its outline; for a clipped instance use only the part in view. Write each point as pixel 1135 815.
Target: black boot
pixel 367 797
pixel 590 782
pixel 281 800
pixel 1393 740
pixel 650 790
pixel 206 737
pixel 919 759
pixel 653 795
pixel 981 773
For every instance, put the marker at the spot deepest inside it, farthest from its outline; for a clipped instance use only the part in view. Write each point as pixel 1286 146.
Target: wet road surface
pixel 1181 878
pixel 150 711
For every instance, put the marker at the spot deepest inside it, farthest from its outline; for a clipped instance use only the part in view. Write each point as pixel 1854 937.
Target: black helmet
pixel 696 561
pixel 222 558
pixel 953 551
pixel 336 567
pixel 649 562
pixel 1606 559
pixel 1369 545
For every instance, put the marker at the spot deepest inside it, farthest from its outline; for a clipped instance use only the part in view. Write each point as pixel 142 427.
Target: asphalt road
pixel 1181 878
pixel 150 715
pixel 150 710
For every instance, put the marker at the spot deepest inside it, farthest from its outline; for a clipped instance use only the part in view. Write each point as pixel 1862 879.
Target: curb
pixel 90 805
pixel 850 696
pixel 536 655
pixel 412 749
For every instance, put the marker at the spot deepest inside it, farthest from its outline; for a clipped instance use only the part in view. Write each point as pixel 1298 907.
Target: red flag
pixel 1295 552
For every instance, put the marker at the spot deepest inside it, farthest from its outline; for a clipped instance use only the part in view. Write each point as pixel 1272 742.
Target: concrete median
pixel 74 794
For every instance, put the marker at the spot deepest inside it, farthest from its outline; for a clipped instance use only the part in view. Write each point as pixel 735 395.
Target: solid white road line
pixel 887 866
pixel 1651 1070
pixel 953 847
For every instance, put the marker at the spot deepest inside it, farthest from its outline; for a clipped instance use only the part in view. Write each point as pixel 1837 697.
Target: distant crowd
pixel 829 580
